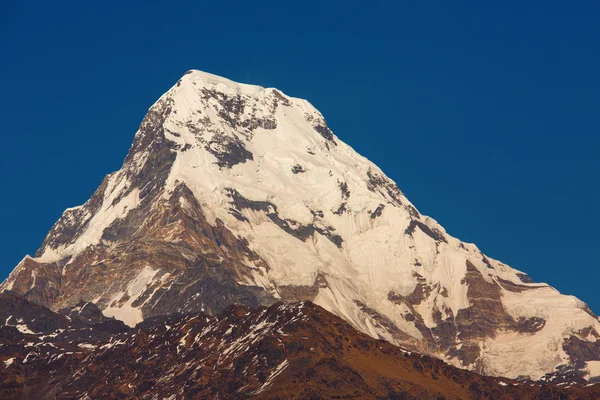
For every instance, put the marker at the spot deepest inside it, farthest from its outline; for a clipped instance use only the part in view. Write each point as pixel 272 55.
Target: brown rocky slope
pixel 285 351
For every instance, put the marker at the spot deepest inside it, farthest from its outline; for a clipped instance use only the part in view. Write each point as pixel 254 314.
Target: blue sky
pixel 487 117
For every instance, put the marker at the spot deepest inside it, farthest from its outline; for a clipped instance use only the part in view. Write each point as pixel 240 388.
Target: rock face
pixel 285 351
pixel 237 194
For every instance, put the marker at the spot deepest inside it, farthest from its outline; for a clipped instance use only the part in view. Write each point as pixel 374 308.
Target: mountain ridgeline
pixel 238 194
pixel 285 351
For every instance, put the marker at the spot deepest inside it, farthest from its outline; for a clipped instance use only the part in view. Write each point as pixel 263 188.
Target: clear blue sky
pixel 486 116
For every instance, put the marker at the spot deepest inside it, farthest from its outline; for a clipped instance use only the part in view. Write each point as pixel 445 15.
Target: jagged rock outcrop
pixel 285 351
pixel 234 193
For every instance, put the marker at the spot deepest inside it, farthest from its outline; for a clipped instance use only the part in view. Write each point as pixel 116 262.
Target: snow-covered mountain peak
pixel 202 108
pixel 197 88
pixel 206 79
pixel 233 193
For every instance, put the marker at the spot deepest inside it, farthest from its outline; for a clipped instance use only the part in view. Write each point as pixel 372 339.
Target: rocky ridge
pixel 285 351
pixel 237 194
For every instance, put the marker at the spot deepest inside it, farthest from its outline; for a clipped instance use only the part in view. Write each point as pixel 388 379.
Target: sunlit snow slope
pixel 233 193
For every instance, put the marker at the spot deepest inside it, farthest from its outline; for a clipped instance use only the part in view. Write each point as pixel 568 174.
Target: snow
pixel 9 362
pixel 372 263
pixel 100 221
pixel 181 344
pixel 593 369
pixel 563 317
pixel 24 329
pixel 376 257
pixel 33 279
pixel 276 372
pixel 254 334
pixel 9 284
pixel 126 312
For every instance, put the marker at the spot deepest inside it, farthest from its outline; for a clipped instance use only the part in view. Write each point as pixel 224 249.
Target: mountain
pixel 237 194
pixel 285 351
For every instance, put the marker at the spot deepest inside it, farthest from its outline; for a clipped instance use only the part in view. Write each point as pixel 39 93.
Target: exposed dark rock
pixel 278 99
pixel 74 328
pixel 513 287
pixel 228 150
pixel 324 131
pixel 125 227
pixel 482 319
pixel 341 209
pixel 564 374
pixel 486 312
pixel 39 319
pixel 296 292
pixel 218 291
pixel 432 233
pixel 444 333
pixel 487 315
pixel 579 350
pixel 74 221
pixel 589 331
pixel 214 275
pixel 487 262
pixel 421 292
pixel 238 112
pixel 303 232
pixel 240 202
pixel 317 213
pixel 186 147
pixel 267 122
pixel 160 153
pixel 524 278
pixel 379 183
pixel 294 228
pixel 295 351
pixel 238 215
pixel 85 311
pixel 297 169
pixel 439 338
pixel 378 211
pixel 384 322
pixel 140 236
pixel 344 189
pixel 413 211
pixel 588 311
pixel 529 325
pixel 38 282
